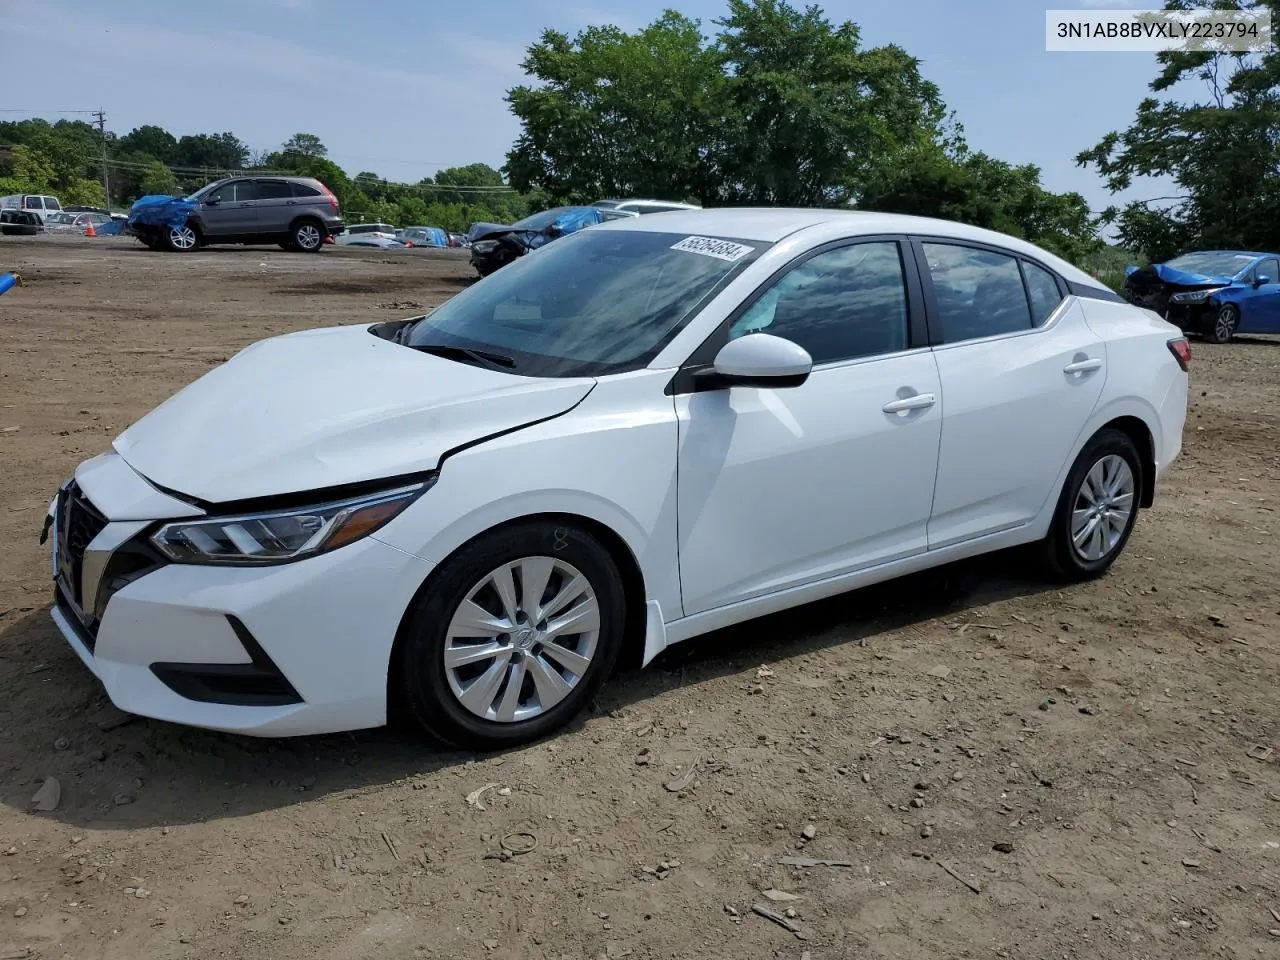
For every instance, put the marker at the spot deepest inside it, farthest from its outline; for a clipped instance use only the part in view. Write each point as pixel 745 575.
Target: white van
pixel 39 204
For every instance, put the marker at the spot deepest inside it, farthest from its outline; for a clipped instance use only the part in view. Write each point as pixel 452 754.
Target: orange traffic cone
pixel 91 232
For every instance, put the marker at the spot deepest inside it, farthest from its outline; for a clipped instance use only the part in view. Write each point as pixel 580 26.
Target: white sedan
pixel 654 428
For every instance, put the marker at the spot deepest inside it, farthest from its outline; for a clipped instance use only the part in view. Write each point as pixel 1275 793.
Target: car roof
pixel 1227 253
pixel 771 224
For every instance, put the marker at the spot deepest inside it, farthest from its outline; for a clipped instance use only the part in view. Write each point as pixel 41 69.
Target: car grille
pixel 78 522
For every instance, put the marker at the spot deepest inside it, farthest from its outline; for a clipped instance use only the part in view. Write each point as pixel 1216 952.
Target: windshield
pixel 59 218
pixel 1212 263
pixel 596 302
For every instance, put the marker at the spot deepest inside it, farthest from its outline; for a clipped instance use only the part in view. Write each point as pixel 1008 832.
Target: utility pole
pixel 101 118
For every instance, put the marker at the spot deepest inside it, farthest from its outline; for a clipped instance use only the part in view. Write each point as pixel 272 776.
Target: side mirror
pixel 1262 280
pixel 760 360
pixel 212 202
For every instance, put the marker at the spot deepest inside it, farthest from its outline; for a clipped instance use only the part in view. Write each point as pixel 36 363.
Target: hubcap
pixel 522 640
pixel 308 237
pixel 1226 324
pixel 1103 506
pixel 184 238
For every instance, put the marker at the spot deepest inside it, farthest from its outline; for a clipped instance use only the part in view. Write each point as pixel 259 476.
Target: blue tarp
pixel 159 210
pixel 430 236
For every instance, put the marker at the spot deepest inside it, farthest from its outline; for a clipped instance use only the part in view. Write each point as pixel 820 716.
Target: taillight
pixel 1181 350
pixel 333 201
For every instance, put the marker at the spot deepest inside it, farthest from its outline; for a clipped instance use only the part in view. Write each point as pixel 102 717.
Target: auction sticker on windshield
pixel 711 247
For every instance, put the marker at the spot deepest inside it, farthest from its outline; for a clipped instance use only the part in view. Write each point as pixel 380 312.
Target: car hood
pixel 323 408
pixel 1184 278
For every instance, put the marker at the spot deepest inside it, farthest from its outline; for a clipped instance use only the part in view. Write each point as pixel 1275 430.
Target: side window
pixel 1269 269
pixel 302 190
pixel 224 194
pixel 978 293
pixel 1042 288
pixel 273 190
pixel 839 305
pixel 247 190
pixel 35 203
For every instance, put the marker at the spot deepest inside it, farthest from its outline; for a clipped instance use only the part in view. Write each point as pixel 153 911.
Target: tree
pixel 977 189
pixel 306 144
pixel 617 114
pixel 220 152
pixel 156 142
pixel 158 179
pixel 809 116
pixel 782 107
pixel 1222 152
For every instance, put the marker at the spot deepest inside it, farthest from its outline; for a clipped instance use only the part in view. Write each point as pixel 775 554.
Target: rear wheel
pixel 513 637
pixel 1097 509
pixel 1224 324
pixel 181 239
pixel 307 236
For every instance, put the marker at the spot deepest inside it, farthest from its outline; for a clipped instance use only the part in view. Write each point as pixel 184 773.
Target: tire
pixel 435 696
pixel 306 236
pixel 286 245
pixel 1108 461
pixel 1223 325
pixel 182 239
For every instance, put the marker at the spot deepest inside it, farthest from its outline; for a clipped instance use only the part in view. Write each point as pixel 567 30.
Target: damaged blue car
pixel 1213 293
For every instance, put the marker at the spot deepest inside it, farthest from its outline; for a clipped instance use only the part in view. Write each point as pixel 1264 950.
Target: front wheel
pixel 513 636
pixel 1097 509
pixel 1224 324
pixel 181 239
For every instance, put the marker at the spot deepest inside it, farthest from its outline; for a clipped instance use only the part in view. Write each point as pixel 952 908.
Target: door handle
pixel 919 402
pixel 1083 366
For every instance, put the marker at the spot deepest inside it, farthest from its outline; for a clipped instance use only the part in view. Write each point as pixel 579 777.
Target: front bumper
pixel 299 648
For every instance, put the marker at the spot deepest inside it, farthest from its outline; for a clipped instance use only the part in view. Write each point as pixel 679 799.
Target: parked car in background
pixel 637 207
pixel 1214 293
pixel 356 230
pixel 40 204
pixel 651 429
pixel 494 245
pixel 376 240
pixel 298 213
pixel 424 236
pixel 68 222
pixel 19 223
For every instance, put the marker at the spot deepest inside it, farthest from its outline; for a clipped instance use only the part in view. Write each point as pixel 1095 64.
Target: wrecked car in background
pixel 1214 293
pixel 495 245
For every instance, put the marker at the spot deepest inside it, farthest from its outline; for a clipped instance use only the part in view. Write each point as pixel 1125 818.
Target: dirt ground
pixel 1096 761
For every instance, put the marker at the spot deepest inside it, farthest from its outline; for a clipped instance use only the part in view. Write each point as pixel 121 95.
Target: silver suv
pixel 298 213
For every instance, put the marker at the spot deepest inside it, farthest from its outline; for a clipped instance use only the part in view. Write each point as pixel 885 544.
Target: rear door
pixel 276 205
pixel 1021 373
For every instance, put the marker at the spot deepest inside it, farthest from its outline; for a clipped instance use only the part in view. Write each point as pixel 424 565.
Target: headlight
pixel 484 246
pixel 1194 296
pixel 279 536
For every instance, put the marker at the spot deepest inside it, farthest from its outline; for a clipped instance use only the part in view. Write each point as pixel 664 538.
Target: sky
pixel 405 87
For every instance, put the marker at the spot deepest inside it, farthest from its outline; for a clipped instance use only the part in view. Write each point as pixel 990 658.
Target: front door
pixel 782 487
pixel 231 210
pixel 1021 372
pixel 1260 306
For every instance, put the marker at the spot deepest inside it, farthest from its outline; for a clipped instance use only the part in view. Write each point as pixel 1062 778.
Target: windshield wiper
pixel 481 357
